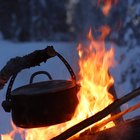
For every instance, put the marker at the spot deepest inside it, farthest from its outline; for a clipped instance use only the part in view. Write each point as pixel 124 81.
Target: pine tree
pixel 57 15
pixel 8 10
pixel 38 20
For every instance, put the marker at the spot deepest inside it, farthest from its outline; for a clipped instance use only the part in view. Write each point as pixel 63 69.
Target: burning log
pixel 92 132
pixel 128 130
pixel 98 116
pixel 17 64
pixel 103 123
pixel 110 133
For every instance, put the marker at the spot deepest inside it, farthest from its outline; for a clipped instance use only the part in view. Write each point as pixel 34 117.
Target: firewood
pixel 17 64
pixel 98 116
pixel 127 130
pixel 96 127
pixel 112 118
pixel 118 110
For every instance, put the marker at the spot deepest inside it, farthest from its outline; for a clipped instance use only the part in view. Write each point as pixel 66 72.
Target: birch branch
pixel 17 64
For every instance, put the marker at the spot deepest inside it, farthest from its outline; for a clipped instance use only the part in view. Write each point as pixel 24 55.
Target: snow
pixel 57 69
pixel 128 34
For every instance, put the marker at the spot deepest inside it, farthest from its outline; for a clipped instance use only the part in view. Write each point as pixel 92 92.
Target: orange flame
pixel 107 5
pixel 94 78
pixel 10 136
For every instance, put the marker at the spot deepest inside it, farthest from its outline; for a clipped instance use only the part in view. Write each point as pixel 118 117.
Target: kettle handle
pixel 68 67
pixel 39 72
pixel 31 79
pixel 49 76
pixel 7 104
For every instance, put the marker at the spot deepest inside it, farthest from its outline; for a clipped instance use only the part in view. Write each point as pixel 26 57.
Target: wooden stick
pixel 98 116
pixel 96 127
pixel 17 64
pixel 118 110
pixel 116 116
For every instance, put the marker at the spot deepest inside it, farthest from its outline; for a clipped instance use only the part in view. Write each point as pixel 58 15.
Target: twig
pixel 98 116
pixel 17 64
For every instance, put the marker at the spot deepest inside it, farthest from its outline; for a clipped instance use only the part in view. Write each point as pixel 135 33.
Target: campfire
pixel 94 80
pixel 94 97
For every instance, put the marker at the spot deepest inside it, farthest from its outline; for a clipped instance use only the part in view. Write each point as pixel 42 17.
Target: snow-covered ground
pixel 58 71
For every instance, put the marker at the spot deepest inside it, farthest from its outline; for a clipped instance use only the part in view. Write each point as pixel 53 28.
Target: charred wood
pixel 127 130
pixel 96 127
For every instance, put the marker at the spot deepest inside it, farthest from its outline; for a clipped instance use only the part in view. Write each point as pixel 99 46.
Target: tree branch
pixel 17 64
pixel 98 116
